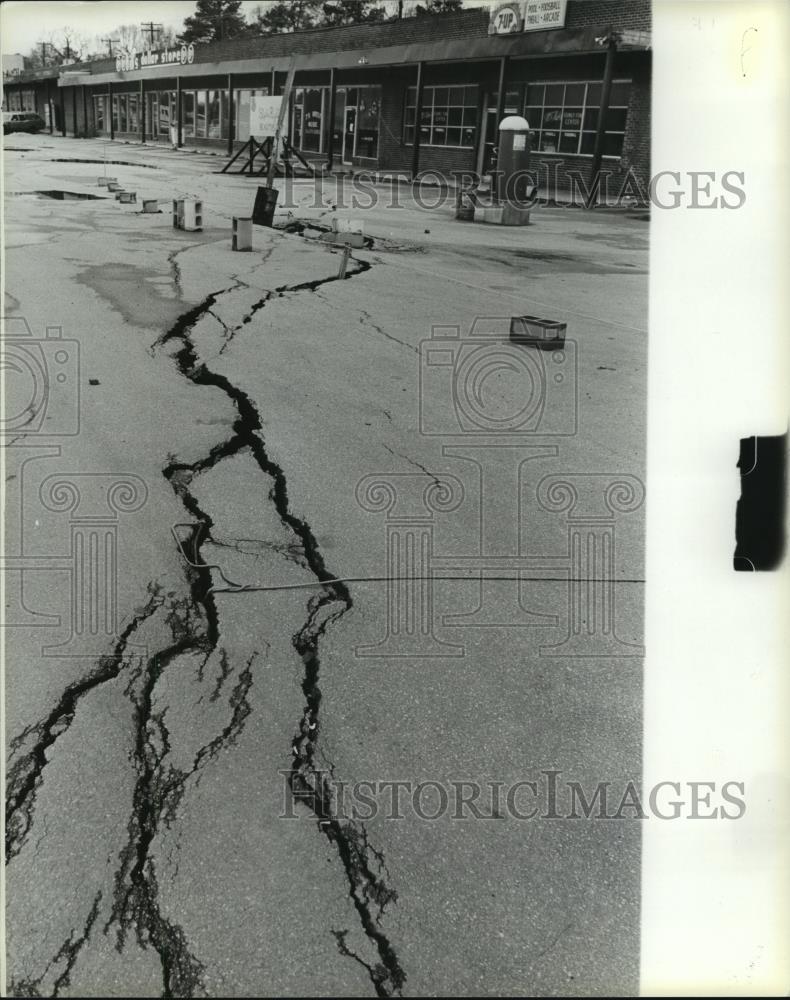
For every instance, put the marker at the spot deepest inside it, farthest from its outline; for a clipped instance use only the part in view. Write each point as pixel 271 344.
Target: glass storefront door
pixel 349 134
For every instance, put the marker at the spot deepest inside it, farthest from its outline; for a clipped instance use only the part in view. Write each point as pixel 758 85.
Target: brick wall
pixel 635 14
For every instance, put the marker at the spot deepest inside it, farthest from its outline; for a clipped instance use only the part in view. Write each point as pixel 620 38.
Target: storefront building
pixel 405 96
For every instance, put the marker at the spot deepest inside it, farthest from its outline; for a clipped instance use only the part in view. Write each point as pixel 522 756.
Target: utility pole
pixel 152 28
pixel 609 42
pixel 110 42
pixel 43 53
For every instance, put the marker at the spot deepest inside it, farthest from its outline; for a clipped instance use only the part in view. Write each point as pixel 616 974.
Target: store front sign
pixel 264 115
pixel 542 15
pixel 506 18
pixel 181 56
pixel 527 15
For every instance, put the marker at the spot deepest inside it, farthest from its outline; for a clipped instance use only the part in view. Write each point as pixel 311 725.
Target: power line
pixel 151 27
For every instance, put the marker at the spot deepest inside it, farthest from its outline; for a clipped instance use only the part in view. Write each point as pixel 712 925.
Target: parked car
pixel 22 121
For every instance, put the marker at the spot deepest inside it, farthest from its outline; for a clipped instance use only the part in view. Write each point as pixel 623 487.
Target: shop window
pixel 368 111
pixel 213 128
pixel 448 116
pixel 563 117
pixel 188 112
pixel 131 113
pixel 200 114
pixel 312 122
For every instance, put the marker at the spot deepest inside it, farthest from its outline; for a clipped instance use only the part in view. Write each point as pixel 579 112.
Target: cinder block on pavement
pixel 113 186
pixel 104 181
pixel 242 233
pixel 546 334
pixel 128 197
pixel 354 240
pixel 347 226
pixel 502 215
pixel 150 206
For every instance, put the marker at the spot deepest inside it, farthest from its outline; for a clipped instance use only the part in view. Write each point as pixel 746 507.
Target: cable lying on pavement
pixel 240 588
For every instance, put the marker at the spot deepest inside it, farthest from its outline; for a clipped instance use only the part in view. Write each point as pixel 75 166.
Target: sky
pixel 24 22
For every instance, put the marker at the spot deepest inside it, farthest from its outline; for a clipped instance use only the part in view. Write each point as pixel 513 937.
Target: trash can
pixel 465 205
pixel 265 204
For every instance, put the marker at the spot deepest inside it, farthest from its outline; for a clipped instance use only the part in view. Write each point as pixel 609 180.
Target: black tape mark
pixel 760 513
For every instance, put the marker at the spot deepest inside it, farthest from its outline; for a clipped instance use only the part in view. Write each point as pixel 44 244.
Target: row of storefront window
pixel 563 116
pixel 204 113
pixel 20 100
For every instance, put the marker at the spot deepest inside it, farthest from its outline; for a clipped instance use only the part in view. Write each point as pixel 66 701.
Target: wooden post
pixel 231 115
pixel 142 113
pixel 109 108
pixel 283 108
pixel 74 109
pixel 606 90
pixel 179 106
pixel 85 109
pixel 415 155
pixel 273 87
pixel 330 145
pixel 500 100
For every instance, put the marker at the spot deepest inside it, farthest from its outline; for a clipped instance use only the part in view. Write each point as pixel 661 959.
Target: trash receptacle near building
pixel 265 204
pixel 513 182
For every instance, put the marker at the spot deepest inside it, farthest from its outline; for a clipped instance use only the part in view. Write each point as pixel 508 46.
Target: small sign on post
pixel 264 115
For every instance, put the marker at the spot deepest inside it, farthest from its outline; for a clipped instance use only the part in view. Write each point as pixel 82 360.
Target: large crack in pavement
pixel 194 628
pixel 363 866
pixel 26 774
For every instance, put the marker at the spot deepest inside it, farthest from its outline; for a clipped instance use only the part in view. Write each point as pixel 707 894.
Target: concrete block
pixel 347 225
pixel 188 214
pixel 546 334
pixel 242 233
pixel 150 206
pixel 127 197
pixel 104 181
pixel 354 240
pixel 502 215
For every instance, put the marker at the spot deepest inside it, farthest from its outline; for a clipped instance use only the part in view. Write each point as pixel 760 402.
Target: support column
pixel 51 105
pixel 85 109
pixel 273 86
pixel 142 113
pixel 179 114
pixel 500 100
pixel 330 145
pixel 231 115
pixel 73 91
pixel 110 112
pixel 606 90
pixel 415 155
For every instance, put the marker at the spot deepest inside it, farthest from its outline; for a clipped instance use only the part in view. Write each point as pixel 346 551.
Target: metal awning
pixel 581 41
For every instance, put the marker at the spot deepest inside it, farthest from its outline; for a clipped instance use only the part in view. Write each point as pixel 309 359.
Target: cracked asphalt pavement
pixel 175 741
